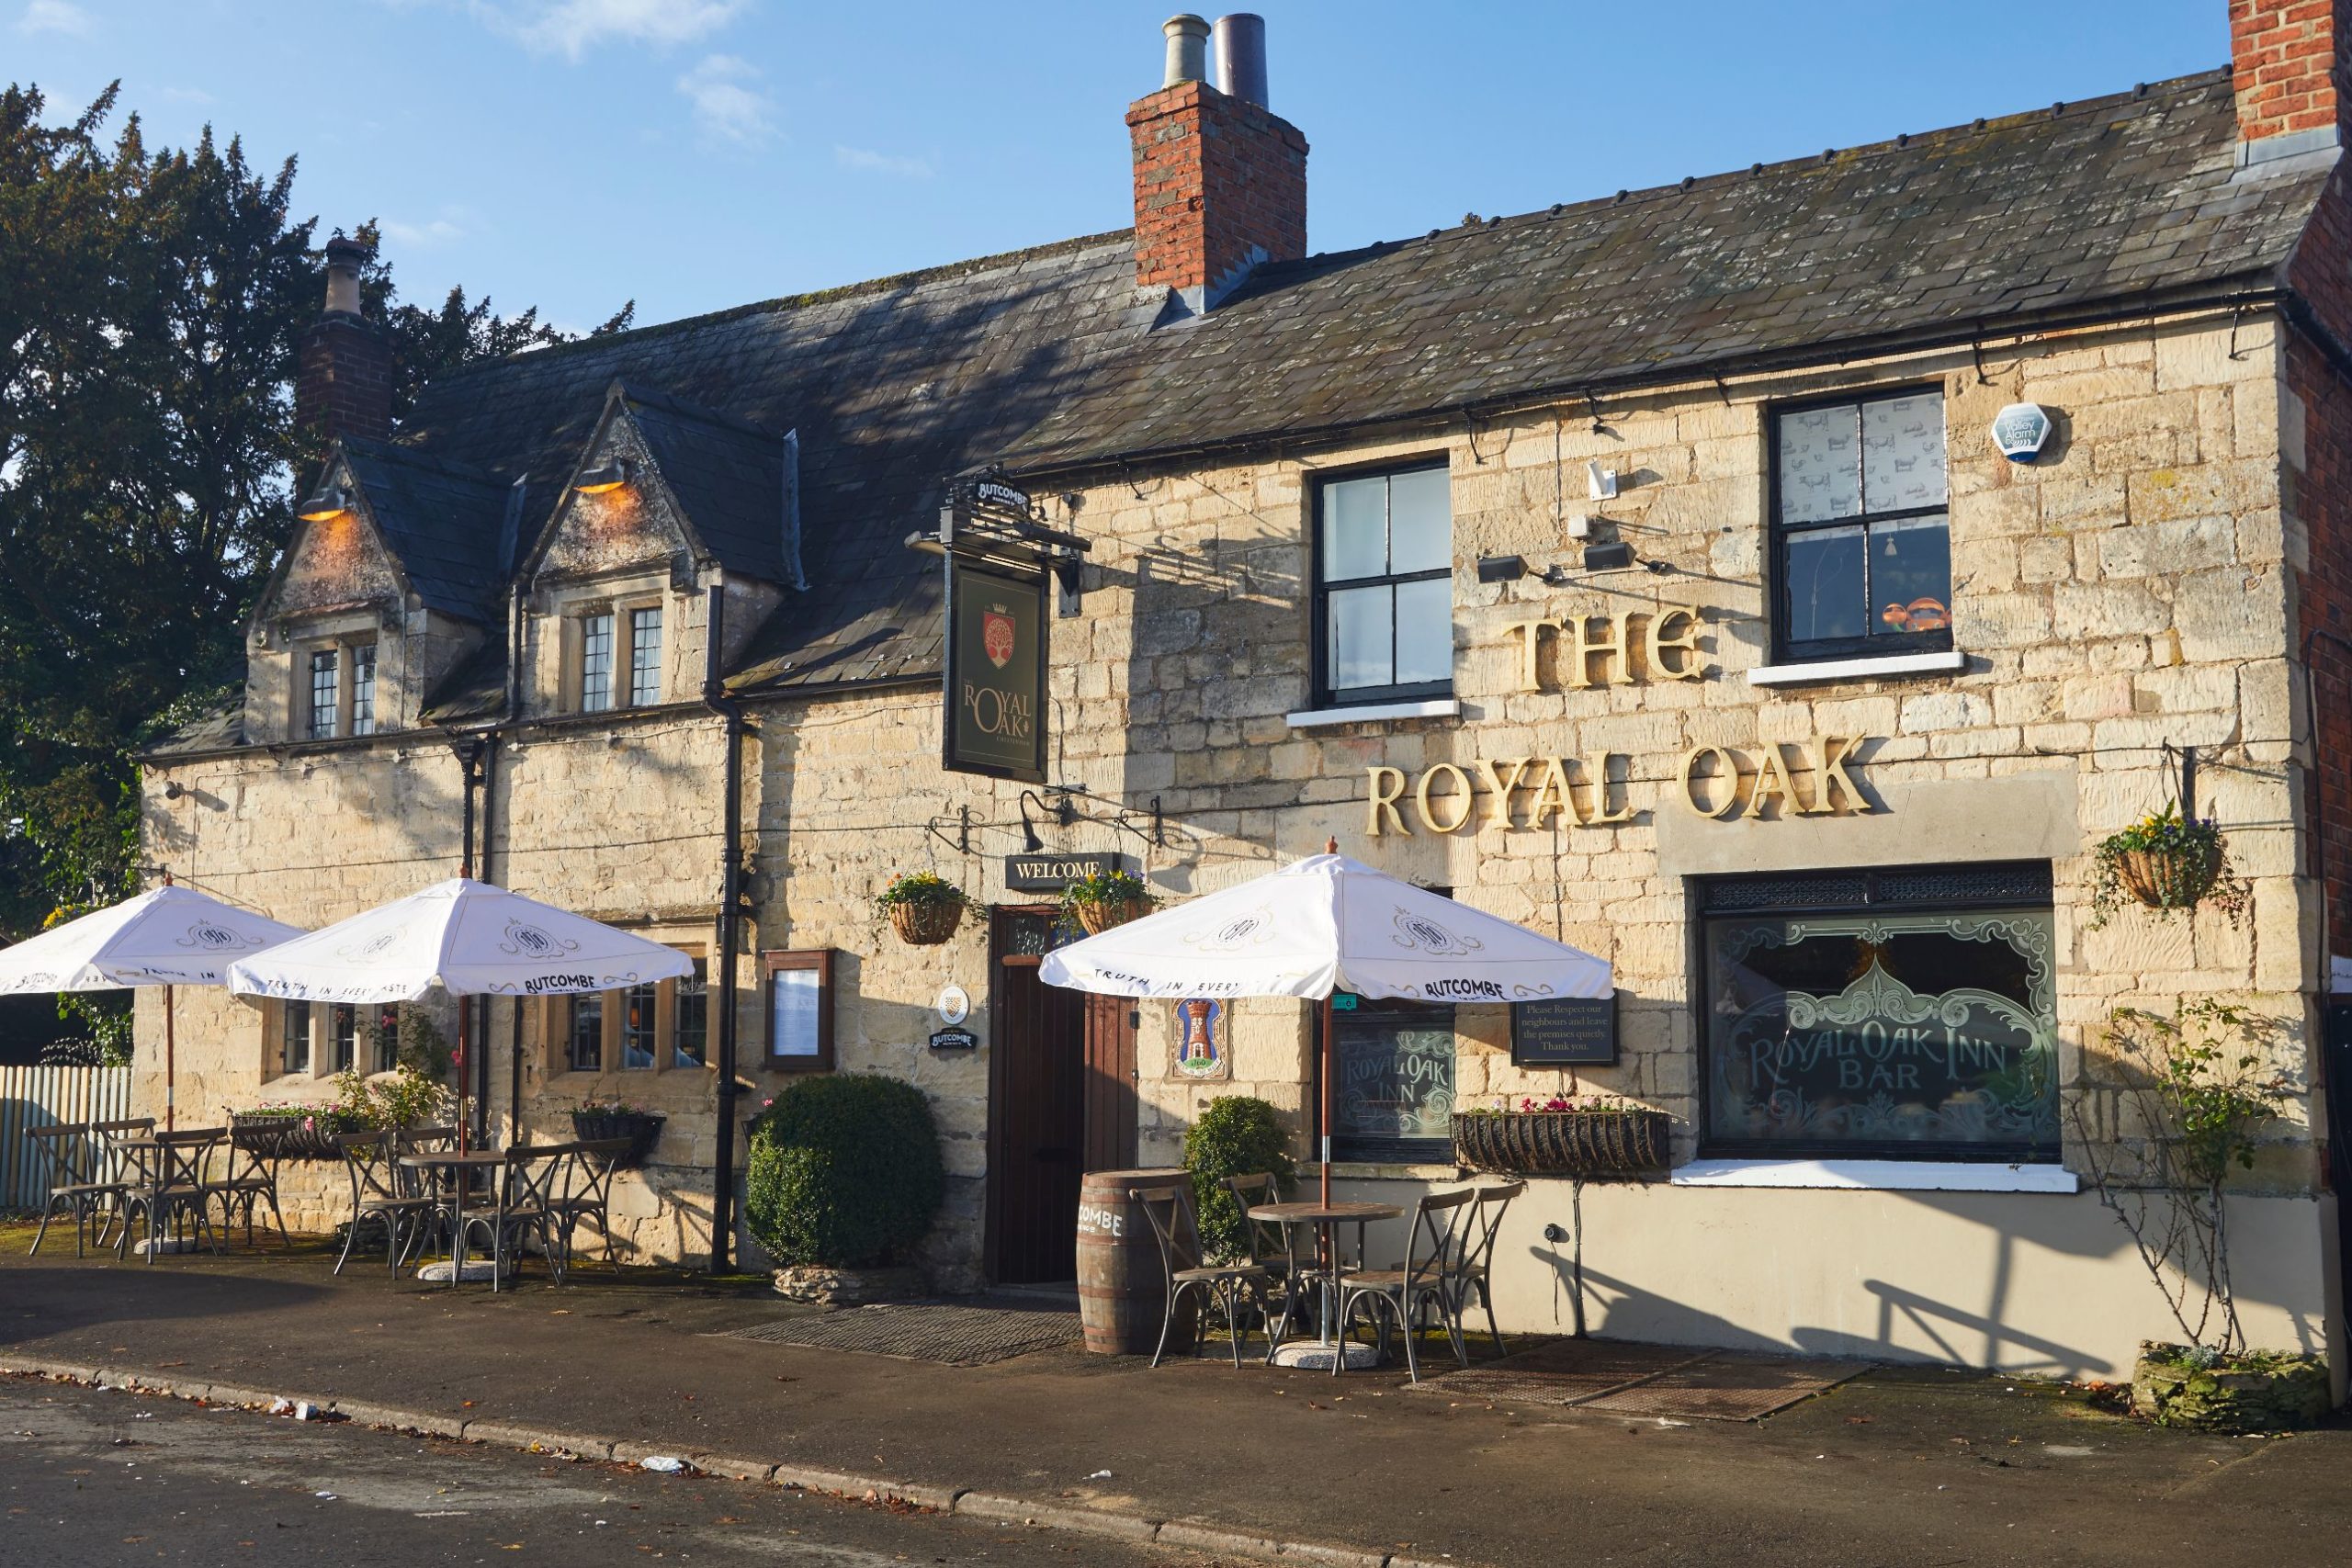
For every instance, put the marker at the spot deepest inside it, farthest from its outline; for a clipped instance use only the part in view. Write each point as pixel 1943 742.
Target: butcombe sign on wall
pixel 996 667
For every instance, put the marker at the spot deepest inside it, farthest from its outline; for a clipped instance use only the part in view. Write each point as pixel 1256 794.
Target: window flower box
pixel 1563 1139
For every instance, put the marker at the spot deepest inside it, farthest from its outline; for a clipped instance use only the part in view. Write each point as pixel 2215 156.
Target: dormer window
pixel 619 658
pixel 339 695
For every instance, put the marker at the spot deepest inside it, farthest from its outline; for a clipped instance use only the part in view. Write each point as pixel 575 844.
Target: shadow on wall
pixel 46 1302
pixel 1910 1325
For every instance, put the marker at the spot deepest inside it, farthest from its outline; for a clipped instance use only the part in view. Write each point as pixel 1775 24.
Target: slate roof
pixel 728 477
pixel 2122 198
pixel 442 521
pixel 1049 358
pixel 892 386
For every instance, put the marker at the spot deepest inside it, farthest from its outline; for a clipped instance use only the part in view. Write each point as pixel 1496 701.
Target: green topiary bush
pixel 845 1172
pixel 1237 1135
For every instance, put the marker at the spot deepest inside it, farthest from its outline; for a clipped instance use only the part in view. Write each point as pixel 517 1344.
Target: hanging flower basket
pixel 1104 899
pixel 2165 863
pixel 1597 1141
pixel 924 907
pixel 593 1124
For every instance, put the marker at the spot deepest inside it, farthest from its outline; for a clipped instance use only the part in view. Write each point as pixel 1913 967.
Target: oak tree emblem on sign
pixel 996 634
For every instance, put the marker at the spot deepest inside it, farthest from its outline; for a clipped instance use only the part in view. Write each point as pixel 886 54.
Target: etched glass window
pixel 596 663
pixel 1890 1032
pixel 644 657
pixel 1862 545
pixel 1392 1087
pixel 363 688
pixel 1384 580
pixel 323 692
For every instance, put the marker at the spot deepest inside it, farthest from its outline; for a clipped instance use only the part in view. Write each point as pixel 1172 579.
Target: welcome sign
pixel 995 722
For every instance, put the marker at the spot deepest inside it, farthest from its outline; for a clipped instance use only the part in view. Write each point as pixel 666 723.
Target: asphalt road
pixel 93 1477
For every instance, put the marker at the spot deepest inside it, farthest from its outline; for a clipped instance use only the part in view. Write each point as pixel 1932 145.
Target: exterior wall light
pixel 605 477
pixel 1501 568
pixel 326 505
pixel 1614 555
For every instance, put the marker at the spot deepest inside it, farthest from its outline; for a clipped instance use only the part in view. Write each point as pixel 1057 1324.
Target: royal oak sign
pixel 996 671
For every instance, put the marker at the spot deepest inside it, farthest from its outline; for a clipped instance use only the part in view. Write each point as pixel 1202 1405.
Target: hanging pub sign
pixel 1565 1031
pixel 995 723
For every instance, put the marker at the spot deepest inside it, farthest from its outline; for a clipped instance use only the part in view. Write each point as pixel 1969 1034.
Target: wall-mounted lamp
pixel 1501 568
pixel 1614 555
pixel 1061 811
pixel 605 477
pixel 326 505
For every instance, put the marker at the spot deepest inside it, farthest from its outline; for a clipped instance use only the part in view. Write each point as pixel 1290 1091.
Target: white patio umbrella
pixel 467 937
pixel 167 936
pixel 1324 924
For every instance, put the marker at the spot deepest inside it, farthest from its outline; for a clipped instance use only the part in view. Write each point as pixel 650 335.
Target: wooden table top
pixel 451 1156
pixel 1290 1213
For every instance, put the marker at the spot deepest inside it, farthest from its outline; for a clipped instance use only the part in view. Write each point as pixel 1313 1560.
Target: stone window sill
pixel 1877 1175
pixel 1371 713
pixel 1871 669
pixel 1365 1170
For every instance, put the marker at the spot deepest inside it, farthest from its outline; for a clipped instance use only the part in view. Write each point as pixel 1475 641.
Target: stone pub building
pixel 1643 570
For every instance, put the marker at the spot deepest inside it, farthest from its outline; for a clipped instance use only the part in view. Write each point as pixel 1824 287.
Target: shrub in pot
pixel 922 906
pixel 1237 1134
pixel 843 1173
pixel 1103 899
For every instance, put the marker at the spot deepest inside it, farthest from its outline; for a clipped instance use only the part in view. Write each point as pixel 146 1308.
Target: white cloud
pixel 422 236
pixel 571 28
pixel 54 17
pixel 725 104
pixel 868 161
pixel 187 95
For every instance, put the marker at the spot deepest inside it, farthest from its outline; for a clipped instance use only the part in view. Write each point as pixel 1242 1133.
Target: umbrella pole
pixel 170 1051
pixel 462 1011
pixel 1328 1064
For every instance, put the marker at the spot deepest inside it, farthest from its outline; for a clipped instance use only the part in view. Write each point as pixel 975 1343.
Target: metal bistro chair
pixel 169 1186
pixel 1177 1229
pixel 1484 1223
pixel 112 1167
pixel 252 1181
pixel 74 1163
pixel 585 1193
pixel 1270 1242
pixel 528 1186
pixel 1430 1277
pixel 379 1193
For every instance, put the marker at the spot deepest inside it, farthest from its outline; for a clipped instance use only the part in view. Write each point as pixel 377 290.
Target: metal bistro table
pixel 451 1174
pixel 1327 1219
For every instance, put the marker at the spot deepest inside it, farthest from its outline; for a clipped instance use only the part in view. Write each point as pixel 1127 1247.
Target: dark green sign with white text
pixel 996 672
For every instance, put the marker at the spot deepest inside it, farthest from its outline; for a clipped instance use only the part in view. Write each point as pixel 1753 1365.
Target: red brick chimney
pixel 342 378
pixel 1220 180
pixel 2286 63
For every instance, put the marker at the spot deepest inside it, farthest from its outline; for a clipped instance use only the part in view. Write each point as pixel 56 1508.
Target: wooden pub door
pixel 1061 1102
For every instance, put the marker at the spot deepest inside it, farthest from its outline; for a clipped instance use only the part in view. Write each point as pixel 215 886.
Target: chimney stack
pixel 1220 182
pixel 342 380
pixel 2287 63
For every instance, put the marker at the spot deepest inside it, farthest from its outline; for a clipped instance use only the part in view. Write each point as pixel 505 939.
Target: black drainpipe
pixel 730 897
pixel 470 752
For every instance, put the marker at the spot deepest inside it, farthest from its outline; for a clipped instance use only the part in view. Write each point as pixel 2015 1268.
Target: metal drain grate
pixel 1649 1379
pixel 922 1331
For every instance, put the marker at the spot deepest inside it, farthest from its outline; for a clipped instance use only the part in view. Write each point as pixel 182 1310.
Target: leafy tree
pixel 151 305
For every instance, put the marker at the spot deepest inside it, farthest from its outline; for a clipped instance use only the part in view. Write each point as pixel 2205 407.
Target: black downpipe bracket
pixel 730 899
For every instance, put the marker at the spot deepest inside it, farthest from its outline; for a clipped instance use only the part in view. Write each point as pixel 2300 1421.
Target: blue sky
pixel 699 153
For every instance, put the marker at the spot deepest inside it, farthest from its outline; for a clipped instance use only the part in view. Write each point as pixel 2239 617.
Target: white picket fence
pixel 44 1097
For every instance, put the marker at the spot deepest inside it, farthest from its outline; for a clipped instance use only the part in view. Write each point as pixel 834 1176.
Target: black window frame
pixel 1319 594
pixel 1990 884
pixel 1786 651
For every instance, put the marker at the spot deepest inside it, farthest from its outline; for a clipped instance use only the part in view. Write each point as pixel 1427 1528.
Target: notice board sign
pixel 995 722
pixel 1567 1032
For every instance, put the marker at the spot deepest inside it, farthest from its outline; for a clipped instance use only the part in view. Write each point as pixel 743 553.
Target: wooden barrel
pixel 1121 1288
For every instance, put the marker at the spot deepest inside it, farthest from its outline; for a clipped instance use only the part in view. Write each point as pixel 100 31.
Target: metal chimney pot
pixel 1239 44
pixel 1188 37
